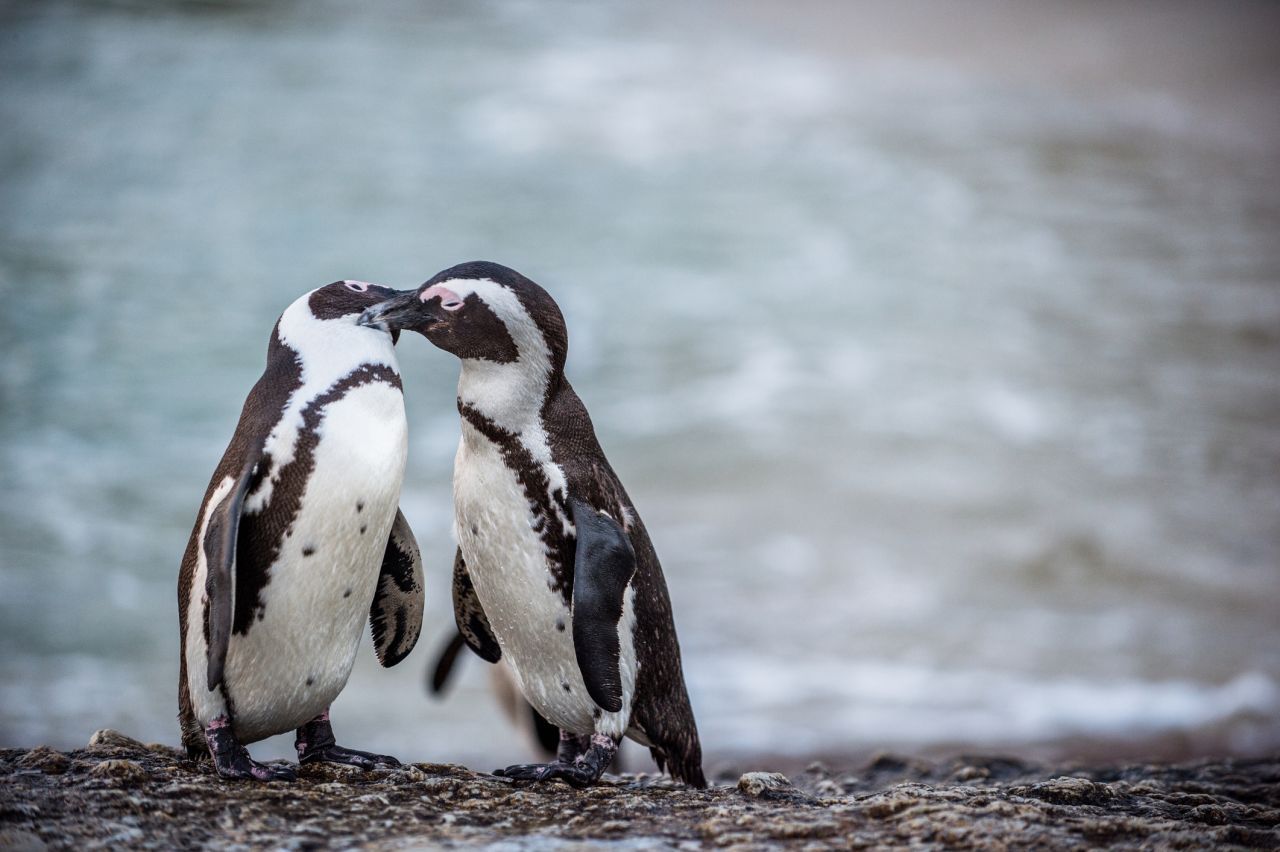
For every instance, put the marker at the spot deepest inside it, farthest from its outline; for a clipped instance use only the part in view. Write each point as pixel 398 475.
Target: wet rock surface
pixel 119 793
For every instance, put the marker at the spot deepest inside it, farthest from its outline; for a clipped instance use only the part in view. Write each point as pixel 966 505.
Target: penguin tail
pixel 684 765
pixel 192 733
pixel 192 737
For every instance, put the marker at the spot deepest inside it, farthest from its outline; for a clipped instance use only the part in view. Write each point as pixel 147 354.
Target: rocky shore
pixel 119 793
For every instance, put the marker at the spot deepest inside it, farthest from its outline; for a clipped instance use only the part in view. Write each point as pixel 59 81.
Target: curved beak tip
pixel 399 312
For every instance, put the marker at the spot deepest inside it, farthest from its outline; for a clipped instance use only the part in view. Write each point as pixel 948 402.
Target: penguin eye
pixel 449 300
pixel 356 286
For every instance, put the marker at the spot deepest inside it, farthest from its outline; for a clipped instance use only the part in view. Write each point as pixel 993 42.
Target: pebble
pixel 771 786
pixel 760 785
pixel 107 738
pixel 122 772
pixel 46 760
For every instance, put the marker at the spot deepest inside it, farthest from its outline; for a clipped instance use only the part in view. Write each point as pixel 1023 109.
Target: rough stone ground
pixel 118 793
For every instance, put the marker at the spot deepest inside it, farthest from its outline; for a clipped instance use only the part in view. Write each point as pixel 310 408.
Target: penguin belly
pixel 507 562
pixel 292 663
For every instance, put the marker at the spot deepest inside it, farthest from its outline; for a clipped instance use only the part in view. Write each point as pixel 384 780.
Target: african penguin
pixel 299 541
pixel 554 572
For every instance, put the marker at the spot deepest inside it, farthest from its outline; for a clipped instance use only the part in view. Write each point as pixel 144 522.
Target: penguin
pixel 299 541
pixel 554 571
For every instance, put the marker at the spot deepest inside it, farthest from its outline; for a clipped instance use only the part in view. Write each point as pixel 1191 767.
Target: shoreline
pixel 1080 750
pixel 120 793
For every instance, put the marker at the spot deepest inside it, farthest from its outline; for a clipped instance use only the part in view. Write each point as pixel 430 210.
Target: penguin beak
pixel 404 310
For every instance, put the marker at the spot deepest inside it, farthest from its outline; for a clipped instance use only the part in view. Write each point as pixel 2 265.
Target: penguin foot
pixel 337 754
pixel 573 774
pixel 231 760
pixel 243 767
pixel 315 744
pixel 583 771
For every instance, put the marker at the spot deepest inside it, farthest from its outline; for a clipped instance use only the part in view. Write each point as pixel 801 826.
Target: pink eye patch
pixel 358 286
pixel 449 300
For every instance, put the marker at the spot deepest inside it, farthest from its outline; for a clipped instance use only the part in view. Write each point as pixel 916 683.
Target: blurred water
pixel 951 397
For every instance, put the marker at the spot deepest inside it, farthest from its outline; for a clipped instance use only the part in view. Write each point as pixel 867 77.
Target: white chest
pixel 292 663
pixel 497 532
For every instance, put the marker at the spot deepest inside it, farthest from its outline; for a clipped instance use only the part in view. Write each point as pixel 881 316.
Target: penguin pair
pixel 554 570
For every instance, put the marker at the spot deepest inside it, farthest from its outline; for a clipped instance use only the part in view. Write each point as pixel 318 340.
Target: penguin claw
pixel 243 767
pixel 573 774
pixel 274 772
pixel 337 754
pixel 315 744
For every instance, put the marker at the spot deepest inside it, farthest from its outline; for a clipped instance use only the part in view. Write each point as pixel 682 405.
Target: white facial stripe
pixel 327 350
pixel 501 300
pixel 509 394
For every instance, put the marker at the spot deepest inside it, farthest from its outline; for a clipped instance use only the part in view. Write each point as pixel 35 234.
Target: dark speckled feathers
pixel 548 506
pixel 395 616
pixel 661 706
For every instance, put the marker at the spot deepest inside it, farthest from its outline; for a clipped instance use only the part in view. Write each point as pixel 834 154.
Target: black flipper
pixel 396 613
pixel 219 545
pixel 472 623
pixel 602 568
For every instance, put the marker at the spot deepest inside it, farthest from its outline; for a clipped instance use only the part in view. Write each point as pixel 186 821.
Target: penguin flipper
pixel 395 616
pixel 472 622
pixel 602 568
pixel 220 537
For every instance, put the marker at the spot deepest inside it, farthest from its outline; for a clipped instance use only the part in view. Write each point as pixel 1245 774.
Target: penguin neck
pixel 315 355
pixel 502 408
pixel 511 395
pixel 327 350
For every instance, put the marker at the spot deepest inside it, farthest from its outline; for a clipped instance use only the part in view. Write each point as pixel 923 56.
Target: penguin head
pixel 347 300
pixel 480 311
